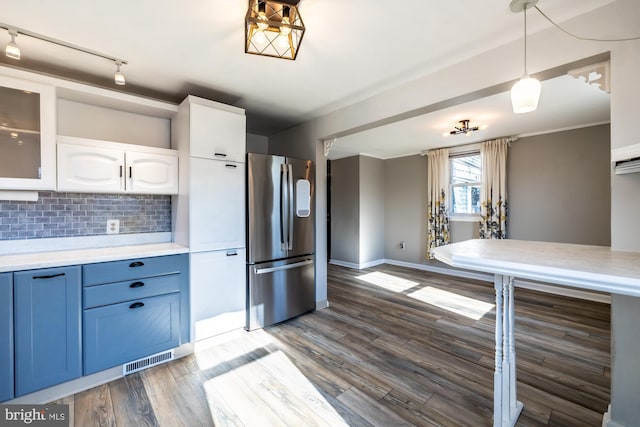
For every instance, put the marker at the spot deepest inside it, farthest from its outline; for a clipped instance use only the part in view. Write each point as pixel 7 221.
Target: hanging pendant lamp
pixel 525 94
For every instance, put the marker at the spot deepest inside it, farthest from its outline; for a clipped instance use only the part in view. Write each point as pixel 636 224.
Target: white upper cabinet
pixel 217 133
pixel 27 135
pixel 149 173
pixel 86 165
pixel 94 169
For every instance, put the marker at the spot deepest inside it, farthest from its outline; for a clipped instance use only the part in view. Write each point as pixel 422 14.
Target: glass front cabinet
pixel 27 135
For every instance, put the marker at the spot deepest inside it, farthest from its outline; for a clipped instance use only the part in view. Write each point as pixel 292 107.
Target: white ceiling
pixel 565 103
pixel 351 49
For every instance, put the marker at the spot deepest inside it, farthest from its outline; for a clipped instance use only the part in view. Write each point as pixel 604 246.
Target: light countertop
pixel 45 259
pixel 598 268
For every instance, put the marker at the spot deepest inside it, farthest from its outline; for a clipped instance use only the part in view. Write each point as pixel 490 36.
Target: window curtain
pixel 493 192
pixel 438 199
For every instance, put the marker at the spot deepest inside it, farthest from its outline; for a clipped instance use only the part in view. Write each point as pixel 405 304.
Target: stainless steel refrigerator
pixel 280 239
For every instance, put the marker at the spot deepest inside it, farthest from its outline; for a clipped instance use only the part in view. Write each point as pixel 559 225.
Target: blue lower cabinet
pixel 48 336
pixel 119 333
pixel 6 336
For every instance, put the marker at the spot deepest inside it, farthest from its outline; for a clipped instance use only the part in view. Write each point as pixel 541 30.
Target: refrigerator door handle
pixel 284 211
pixel 283 267
pixel 291 208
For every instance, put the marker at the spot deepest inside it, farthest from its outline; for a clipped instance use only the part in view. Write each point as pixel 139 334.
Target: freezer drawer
pixel 279 290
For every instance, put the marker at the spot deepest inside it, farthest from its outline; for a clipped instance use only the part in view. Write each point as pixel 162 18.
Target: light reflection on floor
pixel 388 281
pixel 252 382
pixel 446 300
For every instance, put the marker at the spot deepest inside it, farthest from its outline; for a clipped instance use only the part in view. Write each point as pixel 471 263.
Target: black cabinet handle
pixel 130 171
pixel 136 264
pixel 234 253
pixel 219 155
pixel 231 166
pixel 48 277
pixel 136 285
pixel 136 305
pixel 120 171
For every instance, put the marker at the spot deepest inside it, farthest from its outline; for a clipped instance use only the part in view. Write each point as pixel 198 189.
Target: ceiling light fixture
pixel 273 28
pixel 463 128
pixel 13 51
pixel 526 92
pixel 118 76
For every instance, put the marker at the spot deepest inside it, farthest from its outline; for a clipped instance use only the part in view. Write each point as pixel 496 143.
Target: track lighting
pixel 12 50
pixel 118 76
pixel 525 94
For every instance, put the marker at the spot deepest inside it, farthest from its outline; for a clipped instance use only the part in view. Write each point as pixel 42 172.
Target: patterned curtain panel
pixel 438 199
pixel 493 193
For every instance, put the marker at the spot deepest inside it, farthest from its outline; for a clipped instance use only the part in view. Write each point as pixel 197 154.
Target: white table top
pixel 597 268
pixel 29 261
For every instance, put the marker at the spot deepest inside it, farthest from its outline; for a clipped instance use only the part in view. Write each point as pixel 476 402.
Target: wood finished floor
pixel 376 357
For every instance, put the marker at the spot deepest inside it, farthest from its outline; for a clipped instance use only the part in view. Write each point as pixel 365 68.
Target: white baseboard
pixel 357 266
pixel 344 264
pixel 606 419
pixel 322 304
pixel 541 287
pixel 78 385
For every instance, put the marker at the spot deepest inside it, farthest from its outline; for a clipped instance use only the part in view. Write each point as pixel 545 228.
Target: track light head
pixel 118 76
pixel 12 50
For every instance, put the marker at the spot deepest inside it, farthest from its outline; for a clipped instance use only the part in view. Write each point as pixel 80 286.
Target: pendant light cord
pixel 569 33
pixel 526 73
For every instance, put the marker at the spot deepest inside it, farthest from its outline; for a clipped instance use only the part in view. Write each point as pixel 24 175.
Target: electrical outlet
pixel 113 226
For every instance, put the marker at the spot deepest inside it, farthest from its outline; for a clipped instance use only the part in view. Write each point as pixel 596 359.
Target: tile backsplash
pixel 83 214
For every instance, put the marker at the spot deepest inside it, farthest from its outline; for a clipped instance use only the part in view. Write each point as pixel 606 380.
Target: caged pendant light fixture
pixel 526 92
pixel 273 28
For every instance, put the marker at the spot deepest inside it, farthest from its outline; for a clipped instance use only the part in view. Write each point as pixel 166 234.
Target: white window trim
pixel 463 151
pixel 461 217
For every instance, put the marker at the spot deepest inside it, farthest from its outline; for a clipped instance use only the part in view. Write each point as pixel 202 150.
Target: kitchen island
pixel 580 266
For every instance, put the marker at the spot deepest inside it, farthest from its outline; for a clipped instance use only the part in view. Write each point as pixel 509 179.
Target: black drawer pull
pixel 230 253
pixel 136 285
pixel 231 166
pixel 219 155
pixel 136 264
pixel 136 305
pixel 48 277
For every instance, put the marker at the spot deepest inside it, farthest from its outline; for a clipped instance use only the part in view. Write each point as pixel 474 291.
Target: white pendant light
pixel 525 94
pixel 12 50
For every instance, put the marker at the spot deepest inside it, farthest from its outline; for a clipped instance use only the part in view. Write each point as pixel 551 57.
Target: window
pixel 466 174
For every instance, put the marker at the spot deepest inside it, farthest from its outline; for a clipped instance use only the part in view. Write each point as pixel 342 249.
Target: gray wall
pixel 345 210
pixel 93 122
pixel 558 186
pixel 559 189
pixel 625 230
pixel 257 144
pixel 405 189
pixel 372 210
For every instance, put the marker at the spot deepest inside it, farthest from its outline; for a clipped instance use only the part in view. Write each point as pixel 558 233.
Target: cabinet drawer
pixel 118 271
pixel 112 293
pixel 120 333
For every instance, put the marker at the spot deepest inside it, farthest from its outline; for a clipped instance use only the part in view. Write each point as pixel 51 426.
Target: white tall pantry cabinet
pixel 209 211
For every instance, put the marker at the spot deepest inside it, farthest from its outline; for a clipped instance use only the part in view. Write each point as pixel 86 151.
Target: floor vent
pixel 147 362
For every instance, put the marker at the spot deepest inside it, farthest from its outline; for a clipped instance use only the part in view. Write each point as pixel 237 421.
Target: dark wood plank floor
pixel 381 355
